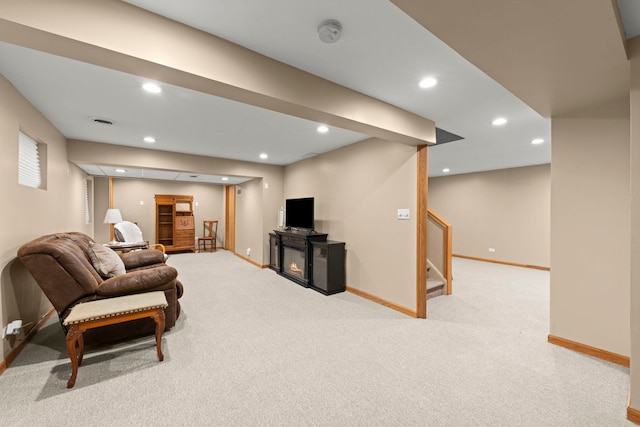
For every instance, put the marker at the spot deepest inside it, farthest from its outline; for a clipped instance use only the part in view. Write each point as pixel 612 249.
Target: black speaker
pixel 328 267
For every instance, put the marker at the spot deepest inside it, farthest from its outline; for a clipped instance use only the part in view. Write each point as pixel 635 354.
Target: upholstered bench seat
pixel 110 311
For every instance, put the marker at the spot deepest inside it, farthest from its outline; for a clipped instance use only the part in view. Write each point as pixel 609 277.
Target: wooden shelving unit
pixel 175 226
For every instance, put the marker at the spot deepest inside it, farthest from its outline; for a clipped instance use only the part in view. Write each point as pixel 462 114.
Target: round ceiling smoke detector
pixel 329 31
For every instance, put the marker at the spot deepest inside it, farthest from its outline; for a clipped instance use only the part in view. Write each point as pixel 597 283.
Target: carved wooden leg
pixel 74 335
pixel 159 319
pixel 80 347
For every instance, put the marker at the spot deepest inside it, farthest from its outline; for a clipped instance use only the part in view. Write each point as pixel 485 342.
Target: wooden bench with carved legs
pixel 94 314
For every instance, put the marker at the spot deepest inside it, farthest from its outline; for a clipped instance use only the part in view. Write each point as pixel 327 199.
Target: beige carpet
pixel 254 349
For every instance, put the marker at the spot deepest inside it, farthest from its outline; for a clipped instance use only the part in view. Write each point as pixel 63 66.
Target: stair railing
pixel 447 243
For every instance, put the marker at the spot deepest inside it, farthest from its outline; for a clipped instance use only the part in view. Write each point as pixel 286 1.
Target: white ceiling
pixel 630 11
pixel 382 53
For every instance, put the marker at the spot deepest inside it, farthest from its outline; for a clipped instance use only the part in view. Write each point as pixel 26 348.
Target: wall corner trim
pixel 17 349
pixel 422 205
pixel 590 351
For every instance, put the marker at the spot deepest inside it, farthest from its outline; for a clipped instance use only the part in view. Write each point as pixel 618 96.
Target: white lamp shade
pixel 112 216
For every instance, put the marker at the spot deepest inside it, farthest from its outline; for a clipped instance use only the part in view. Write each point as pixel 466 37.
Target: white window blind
pixel 87 216
pixel 88 201
pixel 28 162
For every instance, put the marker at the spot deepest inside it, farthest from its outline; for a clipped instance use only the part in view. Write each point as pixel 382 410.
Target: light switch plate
pixel 403 214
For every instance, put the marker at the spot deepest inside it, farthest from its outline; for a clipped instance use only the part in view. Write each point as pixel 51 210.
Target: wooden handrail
pixel 447 243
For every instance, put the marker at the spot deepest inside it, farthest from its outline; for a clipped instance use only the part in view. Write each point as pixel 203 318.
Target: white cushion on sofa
pixel 130 232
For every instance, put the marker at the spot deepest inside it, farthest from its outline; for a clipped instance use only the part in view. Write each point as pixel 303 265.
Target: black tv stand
pixel 306 257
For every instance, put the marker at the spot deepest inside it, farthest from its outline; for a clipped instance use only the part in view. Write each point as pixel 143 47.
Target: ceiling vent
pixel 442 137
pixel 329 31
pixel 101 121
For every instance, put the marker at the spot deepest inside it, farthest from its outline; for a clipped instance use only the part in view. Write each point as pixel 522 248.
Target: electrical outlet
pixel 492 250
pixel 403 214
pixel 248 251
pixel 12 328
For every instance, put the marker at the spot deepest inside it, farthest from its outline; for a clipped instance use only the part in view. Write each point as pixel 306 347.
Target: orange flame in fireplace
pixel 293 268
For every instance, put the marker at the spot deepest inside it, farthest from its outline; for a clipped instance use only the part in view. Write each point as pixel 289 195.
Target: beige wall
pixel 100 206
pixel 435 248
pixel 507 210
pixel 29 212
pixel 634 54
pixel 357 191
pixel 250 213
pixel 272 200
pixel 590 228
pixel 128 193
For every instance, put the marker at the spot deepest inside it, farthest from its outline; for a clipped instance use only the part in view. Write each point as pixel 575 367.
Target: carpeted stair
pixel 435 284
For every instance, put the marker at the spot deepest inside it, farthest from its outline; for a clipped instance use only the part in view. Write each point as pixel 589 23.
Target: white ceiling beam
pixel 129 39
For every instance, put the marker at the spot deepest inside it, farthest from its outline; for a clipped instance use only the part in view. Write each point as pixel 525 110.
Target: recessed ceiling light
pixel 152 88
pixel 445 170
pixel 224 178
pixel 264 156
pixel 428 82
pixel 537 141
pixel 121 170
pixel 149 139
pixel 323 129
pixel 499 121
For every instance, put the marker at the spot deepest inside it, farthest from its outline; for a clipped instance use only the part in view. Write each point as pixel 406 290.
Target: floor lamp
pixel 112 217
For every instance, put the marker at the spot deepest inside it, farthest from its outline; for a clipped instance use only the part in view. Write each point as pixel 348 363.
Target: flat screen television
pixel 299 213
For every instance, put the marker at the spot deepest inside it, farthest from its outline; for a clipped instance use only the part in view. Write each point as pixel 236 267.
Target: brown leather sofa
pixel 62 266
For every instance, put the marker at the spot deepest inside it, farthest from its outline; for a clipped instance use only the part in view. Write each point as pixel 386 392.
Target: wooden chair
pixel 209 234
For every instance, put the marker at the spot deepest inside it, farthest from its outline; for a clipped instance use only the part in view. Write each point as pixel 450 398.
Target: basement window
pixel 88 201
pixel 31 158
